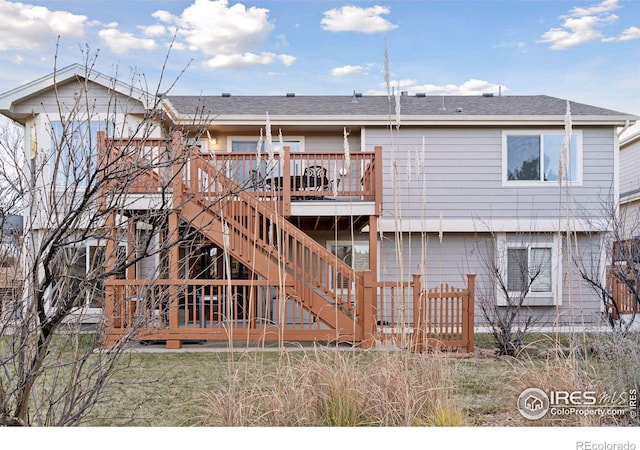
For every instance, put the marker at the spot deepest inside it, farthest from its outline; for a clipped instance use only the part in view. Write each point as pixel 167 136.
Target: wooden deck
pixel 297 290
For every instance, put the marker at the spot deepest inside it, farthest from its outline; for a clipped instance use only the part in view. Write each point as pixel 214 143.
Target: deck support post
pixel 109 306
pixel 467 313
pixel 286 189
pixel 418 315
pixel 368 296
pixel 373 246
pixel 173 238
pixel 377 181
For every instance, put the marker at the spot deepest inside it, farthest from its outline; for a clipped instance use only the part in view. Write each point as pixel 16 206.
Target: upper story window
pixel 246 162
pixel 75 144
pixel 251 145
pixel 531 157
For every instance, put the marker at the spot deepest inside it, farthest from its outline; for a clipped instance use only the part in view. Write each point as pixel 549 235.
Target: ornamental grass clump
pixel 561 370
pixel 333 387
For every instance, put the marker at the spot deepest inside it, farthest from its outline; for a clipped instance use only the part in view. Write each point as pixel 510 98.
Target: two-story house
pixel 356 200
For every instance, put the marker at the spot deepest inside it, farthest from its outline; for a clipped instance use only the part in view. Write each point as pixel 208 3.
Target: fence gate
pixel 440 317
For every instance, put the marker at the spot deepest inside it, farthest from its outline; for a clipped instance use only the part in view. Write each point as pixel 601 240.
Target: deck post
pixel 373 246
pixel 173 236
pixel 177 162
pixel 286 182
pixel 368 298
pixel 418 315
pixel 377 180
pixel 174 275
pixel 468 325
pixel 109 306
pixel 103 161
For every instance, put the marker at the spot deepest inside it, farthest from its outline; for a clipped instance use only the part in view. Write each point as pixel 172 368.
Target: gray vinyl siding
pixel 100 99
pixel 331 143
pixel 460 254
pixel 629 169
pixel 461 176
pixel 630 219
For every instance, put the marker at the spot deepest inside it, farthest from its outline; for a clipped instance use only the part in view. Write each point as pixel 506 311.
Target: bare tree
pixel 514 270
pixel 615 277
pixel 72 192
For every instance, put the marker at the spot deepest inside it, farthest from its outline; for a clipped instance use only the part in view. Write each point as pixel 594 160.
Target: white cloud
pixel 575 31
pixel 247 59
pixel 406 83
pixel 156 30
pixel 29 27
pixel 231 35
pixel 605 6
pixel 584 25
pixel 345 70
pixel 469 87
pixel 121 42
pixel 629 34
pixel 354 18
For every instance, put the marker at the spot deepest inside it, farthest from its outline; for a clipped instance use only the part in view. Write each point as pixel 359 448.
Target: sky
pixel 585 51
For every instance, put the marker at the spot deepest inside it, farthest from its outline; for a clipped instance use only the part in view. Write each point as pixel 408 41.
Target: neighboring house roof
pixel 416 109
pixel 629 136
pixel 10 99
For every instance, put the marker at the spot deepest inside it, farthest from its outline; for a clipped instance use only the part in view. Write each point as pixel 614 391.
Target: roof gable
pixel 75 72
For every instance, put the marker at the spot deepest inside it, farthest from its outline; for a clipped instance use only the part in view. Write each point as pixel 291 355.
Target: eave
pixel 379 120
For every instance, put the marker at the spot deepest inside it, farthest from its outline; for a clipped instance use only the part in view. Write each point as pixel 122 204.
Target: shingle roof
pixel 534 105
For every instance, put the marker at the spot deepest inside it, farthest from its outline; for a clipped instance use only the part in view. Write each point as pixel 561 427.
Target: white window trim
pixel 502 245
pixel 275 140
pixel 540 183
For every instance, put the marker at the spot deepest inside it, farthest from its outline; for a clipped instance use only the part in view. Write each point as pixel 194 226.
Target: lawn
pixel 323 386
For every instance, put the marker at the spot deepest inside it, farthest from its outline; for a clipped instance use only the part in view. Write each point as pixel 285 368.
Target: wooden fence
pixel 441 317
pixel 624 301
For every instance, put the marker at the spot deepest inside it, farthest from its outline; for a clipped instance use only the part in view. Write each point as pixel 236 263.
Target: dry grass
pixel 330 387
pixel 337 388
pixel 556 372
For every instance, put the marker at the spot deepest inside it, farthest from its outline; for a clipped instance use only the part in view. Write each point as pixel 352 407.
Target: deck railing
pixel 297 176
pixel 319 292
pixel 208 310
pixel 254 227
pixel 290 176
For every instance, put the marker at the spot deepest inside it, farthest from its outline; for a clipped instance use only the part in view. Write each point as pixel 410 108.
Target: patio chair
pixel 257 180
pixel 314 178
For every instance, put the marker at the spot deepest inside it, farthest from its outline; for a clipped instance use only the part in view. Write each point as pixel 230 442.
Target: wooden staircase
pixel 255 232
